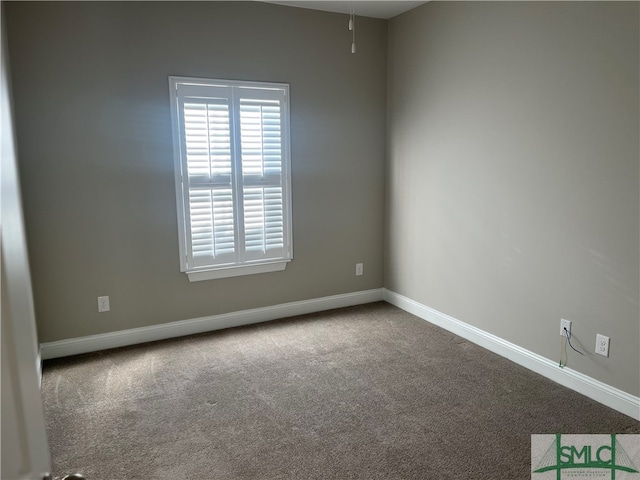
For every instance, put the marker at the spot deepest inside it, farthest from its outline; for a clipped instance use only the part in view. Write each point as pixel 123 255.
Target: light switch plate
pixel 103 304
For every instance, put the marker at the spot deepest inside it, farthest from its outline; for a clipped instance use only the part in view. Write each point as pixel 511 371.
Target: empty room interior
pixel 449 237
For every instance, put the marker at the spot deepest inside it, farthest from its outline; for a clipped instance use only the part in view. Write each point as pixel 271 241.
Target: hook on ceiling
pixel 352 27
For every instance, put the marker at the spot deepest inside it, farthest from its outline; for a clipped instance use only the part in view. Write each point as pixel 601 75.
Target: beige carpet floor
pixel 368 392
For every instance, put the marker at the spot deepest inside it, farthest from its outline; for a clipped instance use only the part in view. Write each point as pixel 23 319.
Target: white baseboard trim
pixel 594 389
pixel 122 338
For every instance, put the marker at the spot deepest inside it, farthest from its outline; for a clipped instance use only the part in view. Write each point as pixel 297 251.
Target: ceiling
pixel 377 8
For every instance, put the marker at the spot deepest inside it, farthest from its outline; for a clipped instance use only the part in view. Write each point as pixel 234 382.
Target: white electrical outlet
pixel 103 304
pixel 359 269
pixel 602 345
pixel 565 324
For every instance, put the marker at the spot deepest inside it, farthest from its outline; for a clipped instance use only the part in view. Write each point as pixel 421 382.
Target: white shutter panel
pixel 207 134
pixel 261 149
pixel 208 140
pixel 263 220
pixel 212 226
pixel 261 133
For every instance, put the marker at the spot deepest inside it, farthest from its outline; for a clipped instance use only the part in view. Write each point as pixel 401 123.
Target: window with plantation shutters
pixel 231 149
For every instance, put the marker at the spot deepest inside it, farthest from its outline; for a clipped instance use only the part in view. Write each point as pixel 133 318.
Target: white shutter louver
pixel 232 169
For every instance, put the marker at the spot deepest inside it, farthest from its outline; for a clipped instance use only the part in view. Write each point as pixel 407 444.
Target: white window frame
pixel 242 263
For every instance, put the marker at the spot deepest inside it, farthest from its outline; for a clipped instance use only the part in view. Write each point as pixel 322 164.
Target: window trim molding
pixel 211 272
pixel 236 270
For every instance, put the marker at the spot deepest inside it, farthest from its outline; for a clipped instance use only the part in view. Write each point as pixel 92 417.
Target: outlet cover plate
pixel 602 345
pixel 565 324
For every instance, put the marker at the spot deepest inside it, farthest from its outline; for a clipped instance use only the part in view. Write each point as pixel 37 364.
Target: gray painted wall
pixel 94 136
pixel 512 195
pixel 513 173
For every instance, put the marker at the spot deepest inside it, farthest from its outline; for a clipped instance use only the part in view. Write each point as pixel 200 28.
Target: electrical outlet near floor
pixel 602 345
pixel 103 304
pixel 359 269
pixel 565 324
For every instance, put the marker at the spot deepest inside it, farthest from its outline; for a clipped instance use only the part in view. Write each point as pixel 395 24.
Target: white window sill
pixel 236 271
